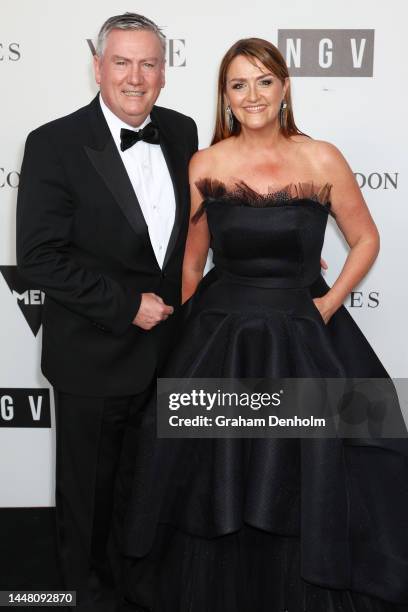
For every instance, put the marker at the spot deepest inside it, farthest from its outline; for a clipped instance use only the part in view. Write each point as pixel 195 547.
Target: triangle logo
pixel 29 299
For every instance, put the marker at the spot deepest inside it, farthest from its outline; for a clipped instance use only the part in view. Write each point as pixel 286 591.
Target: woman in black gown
pixel 267 525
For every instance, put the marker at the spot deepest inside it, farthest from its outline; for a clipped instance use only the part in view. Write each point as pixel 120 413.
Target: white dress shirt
pixel 151 181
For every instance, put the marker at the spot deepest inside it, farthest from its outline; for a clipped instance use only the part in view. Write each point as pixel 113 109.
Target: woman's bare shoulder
pixel 323 151
pixel 324 157
pixel 206 161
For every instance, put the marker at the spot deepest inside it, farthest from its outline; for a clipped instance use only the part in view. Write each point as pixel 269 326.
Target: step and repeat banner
pixel 348 86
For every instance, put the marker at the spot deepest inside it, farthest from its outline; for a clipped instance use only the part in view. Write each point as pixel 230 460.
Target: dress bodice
pixel 275 239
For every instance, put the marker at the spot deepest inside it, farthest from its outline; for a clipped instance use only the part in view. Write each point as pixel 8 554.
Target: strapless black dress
pixel 267 525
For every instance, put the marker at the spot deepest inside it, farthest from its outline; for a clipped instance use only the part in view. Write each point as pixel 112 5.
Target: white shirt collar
pixel 115 124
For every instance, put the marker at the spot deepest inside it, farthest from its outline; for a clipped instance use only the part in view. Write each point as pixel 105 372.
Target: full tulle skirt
pixel 235 525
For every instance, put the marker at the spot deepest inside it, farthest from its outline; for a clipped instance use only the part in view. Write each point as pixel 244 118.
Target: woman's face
pixel 253 92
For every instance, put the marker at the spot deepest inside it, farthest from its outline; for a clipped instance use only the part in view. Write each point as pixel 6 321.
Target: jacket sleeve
pixel 194 137
pixel 45 214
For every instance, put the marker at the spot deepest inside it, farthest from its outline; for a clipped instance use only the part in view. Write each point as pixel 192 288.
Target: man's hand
pixel 152 311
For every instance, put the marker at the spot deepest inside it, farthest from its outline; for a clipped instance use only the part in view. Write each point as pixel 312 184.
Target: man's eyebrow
pixel 144 59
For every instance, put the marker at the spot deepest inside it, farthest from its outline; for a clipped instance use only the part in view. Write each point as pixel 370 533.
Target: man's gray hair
pixel 128 21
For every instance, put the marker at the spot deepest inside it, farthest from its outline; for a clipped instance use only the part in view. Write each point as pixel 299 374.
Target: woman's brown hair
pixel 266 53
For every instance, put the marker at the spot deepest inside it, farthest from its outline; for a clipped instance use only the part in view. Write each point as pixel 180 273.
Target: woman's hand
pixel 323 264
pixel 325 307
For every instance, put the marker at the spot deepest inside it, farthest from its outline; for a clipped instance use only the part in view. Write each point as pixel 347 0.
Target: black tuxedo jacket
pixel 83 240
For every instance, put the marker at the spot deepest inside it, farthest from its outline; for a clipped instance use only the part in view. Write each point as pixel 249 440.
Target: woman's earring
pixel 282 114
pixel 230 118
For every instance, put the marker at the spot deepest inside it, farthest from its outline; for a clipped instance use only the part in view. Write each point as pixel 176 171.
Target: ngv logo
pixel 29 299
pixel 25 408
pixel 176 51
pixel 332 53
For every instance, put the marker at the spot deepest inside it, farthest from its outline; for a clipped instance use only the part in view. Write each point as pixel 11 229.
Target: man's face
pixel 130 73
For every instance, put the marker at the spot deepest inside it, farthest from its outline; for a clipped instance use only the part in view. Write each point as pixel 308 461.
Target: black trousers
pixel 96 443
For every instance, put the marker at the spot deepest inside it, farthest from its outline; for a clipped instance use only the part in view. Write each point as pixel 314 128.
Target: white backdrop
pixel 45 68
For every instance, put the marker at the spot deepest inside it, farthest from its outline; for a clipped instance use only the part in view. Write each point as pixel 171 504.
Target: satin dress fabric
pixel 231 525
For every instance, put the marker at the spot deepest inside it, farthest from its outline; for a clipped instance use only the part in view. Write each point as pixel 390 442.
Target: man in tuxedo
pixel 102 219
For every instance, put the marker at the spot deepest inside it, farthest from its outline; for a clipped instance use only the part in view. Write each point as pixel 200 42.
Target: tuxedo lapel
pixel 106 160
pixel 175 161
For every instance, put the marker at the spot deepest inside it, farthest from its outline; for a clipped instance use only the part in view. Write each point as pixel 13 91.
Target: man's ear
pixel 97 68
pixel 163 75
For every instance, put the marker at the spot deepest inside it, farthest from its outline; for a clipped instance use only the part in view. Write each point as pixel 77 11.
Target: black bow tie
pixel 149 133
